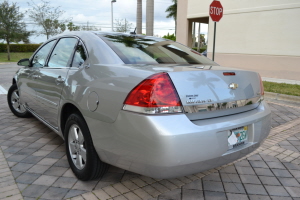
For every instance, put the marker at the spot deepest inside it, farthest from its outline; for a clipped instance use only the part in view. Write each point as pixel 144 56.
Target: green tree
pixel 72 27
pixel 172 12
pixel 170 37
pixel 122 25
pixel 12 27
pixel 47 17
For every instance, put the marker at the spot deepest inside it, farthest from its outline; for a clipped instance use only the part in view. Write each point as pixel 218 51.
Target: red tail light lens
pixel 156 94
pixel 262 89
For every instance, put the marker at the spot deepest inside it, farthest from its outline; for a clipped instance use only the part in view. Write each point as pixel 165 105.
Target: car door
pixel 52 78
pixel 27 79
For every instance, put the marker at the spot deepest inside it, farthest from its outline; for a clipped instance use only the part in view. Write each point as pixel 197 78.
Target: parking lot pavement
pixel 7 72
pixel 283 111
pixel 34 165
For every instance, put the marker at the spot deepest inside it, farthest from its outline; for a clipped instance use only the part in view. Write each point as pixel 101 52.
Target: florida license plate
pixel 237 137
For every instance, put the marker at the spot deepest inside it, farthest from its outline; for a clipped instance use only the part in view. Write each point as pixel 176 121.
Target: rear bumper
pixel 168 146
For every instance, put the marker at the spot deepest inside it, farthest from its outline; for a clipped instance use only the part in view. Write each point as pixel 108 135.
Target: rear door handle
pixel 35 76
pixel 60 80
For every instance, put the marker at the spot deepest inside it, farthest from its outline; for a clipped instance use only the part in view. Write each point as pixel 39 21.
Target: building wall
pixel 258 35
pixel 182 22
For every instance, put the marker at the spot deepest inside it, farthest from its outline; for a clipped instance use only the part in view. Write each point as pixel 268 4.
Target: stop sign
pixel 216 11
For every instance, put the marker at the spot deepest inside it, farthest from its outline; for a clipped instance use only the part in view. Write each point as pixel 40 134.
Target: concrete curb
pixel 283 97
pixel 277 80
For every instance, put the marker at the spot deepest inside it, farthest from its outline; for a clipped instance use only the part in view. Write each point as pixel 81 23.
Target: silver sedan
pixel 144 104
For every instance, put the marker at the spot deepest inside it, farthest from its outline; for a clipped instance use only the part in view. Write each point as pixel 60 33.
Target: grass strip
pixel 282 88
pixel 14 57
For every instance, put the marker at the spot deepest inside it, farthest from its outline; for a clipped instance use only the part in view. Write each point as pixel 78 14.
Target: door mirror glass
pixel 24 62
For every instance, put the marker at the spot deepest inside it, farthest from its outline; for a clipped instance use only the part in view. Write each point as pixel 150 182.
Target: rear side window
pixel 151 50
pixel 79 56
pixel 62 52
pixel 39 59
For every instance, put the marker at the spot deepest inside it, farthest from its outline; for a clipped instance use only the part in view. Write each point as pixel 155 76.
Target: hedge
pixel 19 47
pixel 33 47
pixel 201 50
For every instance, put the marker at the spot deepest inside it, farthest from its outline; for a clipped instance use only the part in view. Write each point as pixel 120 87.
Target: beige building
pixel 259 35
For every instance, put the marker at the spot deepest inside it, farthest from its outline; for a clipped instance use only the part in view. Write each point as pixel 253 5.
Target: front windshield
pixel 134 49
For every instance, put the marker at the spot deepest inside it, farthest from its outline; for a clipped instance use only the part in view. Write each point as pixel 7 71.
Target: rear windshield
pixel 150 50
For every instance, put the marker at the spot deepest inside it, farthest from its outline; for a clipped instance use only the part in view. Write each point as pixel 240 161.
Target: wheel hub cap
pixel 77 147
pixel 15 102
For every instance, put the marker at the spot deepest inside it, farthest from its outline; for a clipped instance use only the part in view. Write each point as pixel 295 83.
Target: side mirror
pixel 24 62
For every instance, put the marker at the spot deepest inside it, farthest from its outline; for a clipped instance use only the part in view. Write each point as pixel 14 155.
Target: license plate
pixel 237 137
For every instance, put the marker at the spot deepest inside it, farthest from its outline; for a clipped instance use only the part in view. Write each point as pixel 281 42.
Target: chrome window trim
pixel 54 45
pixel 42 45
pixel 70 59
pixel 79 40
pixel 73 55
pixel 221 106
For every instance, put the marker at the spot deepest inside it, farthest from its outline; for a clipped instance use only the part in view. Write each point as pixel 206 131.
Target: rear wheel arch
pixel 92 167
pixel 66 111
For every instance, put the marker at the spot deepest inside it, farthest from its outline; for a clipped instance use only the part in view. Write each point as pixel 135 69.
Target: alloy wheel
pixel 77 147
pixel 15 102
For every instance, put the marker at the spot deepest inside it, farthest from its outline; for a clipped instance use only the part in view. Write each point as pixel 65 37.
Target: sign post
pixel 215 13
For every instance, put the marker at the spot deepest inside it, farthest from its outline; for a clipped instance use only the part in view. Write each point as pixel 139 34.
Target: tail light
pixel 229 73
pixel 154 95
pixel 262 90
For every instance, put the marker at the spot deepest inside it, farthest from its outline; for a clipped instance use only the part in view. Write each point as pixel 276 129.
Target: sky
pixel 98 13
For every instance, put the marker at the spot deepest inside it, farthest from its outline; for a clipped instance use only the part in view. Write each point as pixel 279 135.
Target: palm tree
pixel 172 12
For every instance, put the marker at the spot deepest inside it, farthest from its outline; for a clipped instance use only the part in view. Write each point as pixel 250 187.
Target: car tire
pixel 82 156
pixel 13 100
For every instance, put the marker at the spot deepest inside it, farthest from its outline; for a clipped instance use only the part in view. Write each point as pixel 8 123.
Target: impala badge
pixel 194 99
pixel 233 86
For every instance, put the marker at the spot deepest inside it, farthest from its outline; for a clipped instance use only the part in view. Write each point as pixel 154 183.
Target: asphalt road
pixel 7 71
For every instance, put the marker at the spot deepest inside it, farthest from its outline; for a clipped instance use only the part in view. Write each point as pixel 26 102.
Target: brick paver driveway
pixel 33 165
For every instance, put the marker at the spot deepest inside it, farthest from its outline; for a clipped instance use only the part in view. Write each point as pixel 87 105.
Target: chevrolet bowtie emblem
pixel 233 86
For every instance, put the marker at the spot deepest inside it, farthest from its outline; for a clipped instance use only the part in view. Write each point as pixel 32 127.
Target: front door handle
pixel 35 76
pixel 60 80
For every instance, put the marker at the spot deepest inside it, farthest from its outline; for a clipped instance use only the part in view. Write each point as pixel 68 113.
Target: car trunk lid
pixel 214 93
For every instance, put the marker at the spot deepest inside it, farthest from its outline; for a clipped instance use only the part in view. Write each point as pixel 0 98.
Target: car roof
pixel 100 33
